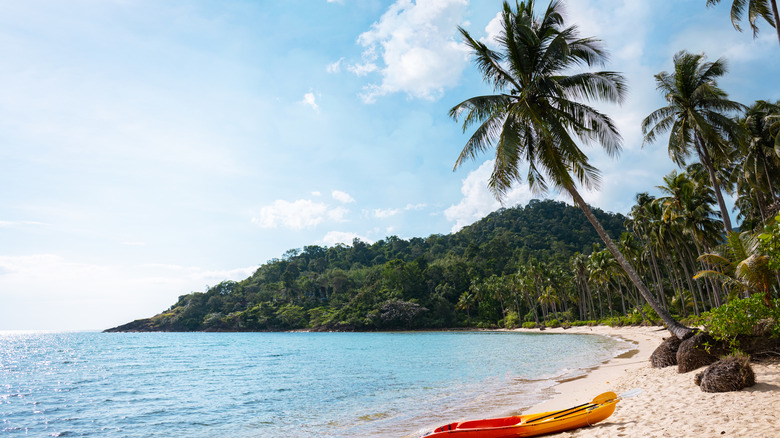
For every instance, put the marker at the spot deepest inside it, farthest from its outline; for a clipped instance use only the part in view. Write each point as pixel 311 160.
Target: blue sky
pixel 151 148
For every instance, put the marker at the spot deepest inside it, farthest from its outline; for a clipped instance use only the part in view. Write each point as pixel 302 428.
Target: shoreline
pixel 671 405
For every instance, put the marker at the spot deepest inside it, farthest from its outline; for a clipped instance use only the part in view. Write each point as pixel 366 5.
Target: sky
pixel 152 148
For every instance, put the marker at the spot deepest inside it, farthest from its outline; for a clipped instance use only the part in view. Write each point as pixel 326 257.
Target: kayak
pixel 583 415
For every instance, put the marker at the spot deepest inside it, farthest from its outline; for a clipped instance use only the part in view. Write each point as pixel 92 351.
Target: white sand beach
pixel 671 404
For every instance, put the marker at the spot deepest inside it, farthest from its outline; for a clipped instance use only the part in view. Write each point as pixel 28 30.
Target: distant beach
pixel 671 404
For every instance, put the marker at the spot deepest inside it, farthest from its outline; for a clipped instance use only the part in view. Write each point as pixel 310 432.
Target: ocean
pixel 278 384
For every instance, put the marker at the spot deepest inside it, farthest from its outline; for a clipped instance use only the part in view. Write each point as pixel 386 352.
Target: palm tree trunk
pixel 688 277
pixel 711 295
pixel 634 301
pixel 592 310
pixel 760 207
pixel 692 260
pixel 777 18
pixel 704 156
pixel 680 289
pixel 658 279
pixel 622 301
pixel 674 326
pixel 533 308
pixel 769 182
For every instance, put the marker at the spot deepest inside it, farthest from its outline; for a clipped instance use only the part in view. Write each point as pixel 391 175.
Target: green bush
pixel 651 313
pixel 512 320
pixel 740 317
pixel 529 325
pixel 567 315
pixel 553 323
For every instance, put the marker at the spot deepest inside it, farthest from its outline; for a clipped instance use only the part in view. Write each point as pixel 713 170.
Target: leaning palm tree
pixel 755 9
pixel 537 113
pixel 696 115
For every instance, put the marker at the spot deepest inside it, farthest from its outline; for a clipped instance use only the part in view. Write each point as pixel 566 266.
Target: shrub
pixel 633 318
pixel 742 317
pixel 553 323
pixel 512 320
pixel 567 315
pixel 529 325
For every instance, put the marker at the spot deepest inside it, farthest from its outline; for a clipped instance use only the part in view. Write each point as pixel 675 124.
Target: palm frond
pixel 488 62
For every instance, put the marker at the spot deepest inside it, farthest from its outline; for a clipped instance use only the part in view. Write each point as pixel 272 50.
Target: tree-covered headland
pixel 498 271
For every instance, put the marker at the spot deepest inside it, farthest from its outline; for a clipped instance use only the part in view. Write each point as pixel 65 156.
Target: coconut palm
pixel 690 205
pixel 756 165
pixel 755 9
pixel 742 266
pixel 537 115
pixel 761 147
pixel 697 115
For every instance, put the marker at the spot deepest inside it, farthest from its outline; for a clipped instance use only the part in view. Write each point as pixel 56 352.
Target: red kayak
pixel 586 414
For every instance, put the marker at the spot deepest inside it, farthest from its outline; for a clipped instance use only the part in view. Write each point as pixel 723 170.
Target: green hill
pixel 391 284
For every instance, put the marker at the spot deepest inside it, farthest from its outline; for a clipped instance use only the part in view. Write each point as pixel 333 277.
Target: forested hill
pixel 393 283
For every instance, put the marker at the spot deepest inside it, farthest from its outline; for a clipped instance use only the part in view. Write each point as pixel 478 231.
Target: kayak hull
pixel 530 425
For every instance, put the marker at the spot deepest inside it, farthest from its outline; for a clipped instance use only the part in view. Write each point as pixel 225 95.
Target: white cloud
pixel 310 100
pixel 478 201
pixel 344 237
pixel 415 206
pixel 342 197
pixel 14 224
pixel 298 215
pixel 337 214
pixel 363 69
pixel 385 213
pixel 418 46
pixel 334 67
pixel 493 30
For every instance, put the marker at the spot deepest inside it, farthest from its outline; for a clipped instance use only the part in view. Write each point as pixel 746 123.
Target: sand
pixel 671 404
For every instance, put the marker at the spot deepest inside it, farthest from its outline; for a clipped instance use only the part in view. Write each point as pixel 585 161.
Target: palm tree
pixel 537 113
pixel 548 299
pixel 690 205
pixel 743 266
pixel 696 116
pixel 755 9
pixel 756 165
pixel 466 302
pixel 761 146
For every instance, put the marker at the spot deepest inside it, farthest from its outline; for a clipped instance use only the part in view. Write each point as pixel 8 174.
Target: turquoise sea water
pixel 277 384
